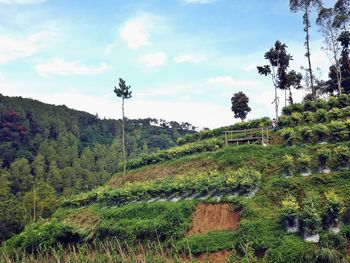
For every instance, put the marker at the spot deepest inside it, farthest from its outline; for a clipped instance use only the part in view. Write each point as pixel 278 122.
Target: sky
pixel 183 58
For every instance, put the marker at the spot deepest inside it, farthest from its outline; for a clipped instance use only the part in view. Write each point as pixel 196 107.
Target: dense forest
pixel 49 151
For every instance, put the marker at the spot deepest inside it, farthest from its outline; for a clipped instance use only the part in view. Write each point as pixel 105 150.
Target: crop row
pixel 176 152
pixel 341 101
pixel 309 117
pixel 241 181
pixel 334 131
pixel 206 134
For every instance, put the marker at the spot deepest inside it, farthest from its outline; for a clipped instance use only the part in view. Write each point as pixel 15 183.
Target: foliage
pixel 287 165
pixel 290 210
pixel 333 208
pixel 291 249
pixel 310 214
pixel 203 243
pixel 240 106
pixel 241 181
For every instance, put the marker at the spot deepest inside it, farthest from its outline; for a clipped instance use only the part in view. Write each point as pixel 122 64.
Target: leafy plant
pixel 288 165
pixel 333 207
pixel 289 211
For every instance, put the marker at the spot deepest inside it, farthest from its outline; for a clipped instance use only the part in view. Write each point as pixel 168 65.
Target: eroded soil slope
pixel 213 217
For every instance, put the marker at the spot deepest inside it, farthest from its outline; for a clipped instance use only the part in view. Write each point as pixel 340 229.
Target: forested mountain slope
pixel 48 151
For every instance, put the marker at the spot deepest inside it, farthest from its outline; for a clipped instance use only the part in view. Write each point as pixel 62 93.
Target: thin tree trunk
pixel 276 103
pixel 34 202
pixel 123 136
pixel 307 41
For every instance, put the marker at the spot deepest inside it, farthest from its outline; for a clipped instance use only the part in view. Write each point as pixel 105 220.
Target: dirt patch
pixel 162 170
pixel 348 248
pixel 213 217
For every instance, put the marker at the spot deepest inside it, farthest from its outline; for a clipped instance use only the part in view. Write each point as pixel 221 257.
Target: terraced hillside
pixel 201 201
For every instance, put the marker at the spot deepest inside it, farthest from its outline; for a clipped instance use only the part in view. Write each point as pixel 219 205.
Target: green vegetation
pixel 47 152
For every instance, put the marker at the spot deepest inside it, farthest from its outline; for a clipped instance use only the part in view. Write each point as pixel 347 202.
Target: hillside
pixel 48 151
pixel 201 201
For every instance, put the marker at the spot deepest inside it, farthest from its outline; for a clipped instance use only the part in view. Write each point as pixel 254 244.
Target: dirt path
pixel 213 217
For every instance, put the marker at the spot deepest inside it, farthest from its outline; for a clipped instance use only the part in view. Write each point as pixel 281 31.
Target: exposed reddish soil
pixel 213 217
pixel 162 170
pixel 348 248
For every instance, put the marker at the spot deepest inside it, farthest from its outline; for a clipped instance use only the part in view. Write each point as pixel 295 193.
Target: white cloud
pixel 190 58
pixel 153 60
pixel 25 2
pixel 136 32
pixel 61 67
pixel 229 82
pixel 198 1
pixel 12 48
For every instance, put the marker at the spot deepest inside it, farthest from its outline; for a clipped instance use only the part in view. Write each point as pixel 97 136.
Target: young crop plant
pixel 341 157
pixel 333 208
pixel 323 156
pixel 311 215
pixel 304 161
pixel 290 212
pixel 288 165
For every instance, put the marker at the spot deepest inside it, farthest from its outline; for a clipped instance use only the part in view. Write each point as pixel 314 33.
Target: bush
pixel 310 215
pixel 304 162
pixel 321 115
pixel 333 207
pixel 323 155
pixel 291 249
pixel 289 136
pixel 287 165
pixel 333 241
pixel 321 132
pixel 211 242
pixel 289 211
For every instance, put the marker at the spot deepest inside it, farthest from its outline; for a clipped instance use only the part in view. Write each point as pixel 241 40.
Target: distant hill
pixel 58 151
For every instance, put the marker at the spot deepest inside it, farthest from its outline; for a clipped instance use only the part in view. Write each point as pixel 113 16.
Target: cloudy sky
pixel 183 58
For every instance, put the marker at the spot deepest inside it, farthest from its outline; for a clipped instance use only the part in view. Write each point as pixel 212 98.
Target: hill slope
pixel 270 204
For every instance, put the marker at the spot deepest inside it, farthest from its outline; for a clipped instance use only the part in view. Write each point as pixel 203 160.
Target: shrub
pixel 341 156
pixel 304 162
pixel 323 155
pixel 333 207
pixel 288 135
pixel 308 117
pixel 287 165
pixel 320 131
pixel 211 242
pixel 343 101
pixel 291 249
pixel 310 215
pixel 309 105
pixel 296 119
pixel 334 114
pixel 306 133
pixel 289 211
pixel 333 241
pixel 338 131
pixel 321 115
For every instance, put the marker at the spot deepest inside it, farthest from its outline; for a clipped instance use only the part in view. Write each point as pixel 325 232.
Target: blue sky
pixel 183 58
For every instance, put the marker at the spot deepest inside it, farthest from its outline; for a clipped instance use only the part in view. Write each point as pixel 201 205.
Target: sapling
pixel 287 165
pixel 304 162
pixel 341 156
pixel 333 208
pixel 289 213
pixel 323 156
pixel 311 218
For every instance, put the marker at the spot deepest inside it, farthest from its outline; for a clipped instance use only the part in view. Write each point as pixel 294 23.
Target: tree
pixel 240 105
pixel 306 6
pixel 325 20
pixel 278 64
pixel 123 92
pixel 293 80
